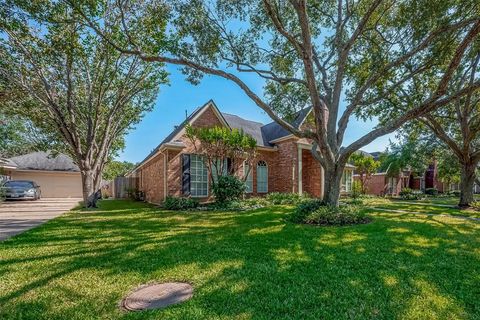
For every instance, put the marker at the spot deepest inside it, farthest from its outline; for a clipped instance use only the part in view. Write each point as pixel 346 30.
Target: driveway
pixel 19 216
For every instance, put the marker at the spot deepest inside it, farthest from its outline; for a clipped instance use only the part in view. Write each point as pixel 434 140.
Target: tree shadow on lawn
pixel 243 265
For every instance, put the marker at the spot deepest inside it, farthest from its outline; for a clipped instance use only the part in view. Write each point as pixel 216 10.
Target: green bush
pixel 304 209
pixel 176 203
pixel 410 194
pixel 337 216
pixel 431 191
pixel 228 188
pixel 255 202
pixel 285 198
pixel 454 193
pixel 475 205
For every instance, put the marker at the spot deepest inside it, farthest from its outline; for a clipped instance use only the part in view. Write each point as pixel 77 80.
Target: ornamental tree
pixel 220 146
pixel 343 58
pixel 365 167
pixel 71 83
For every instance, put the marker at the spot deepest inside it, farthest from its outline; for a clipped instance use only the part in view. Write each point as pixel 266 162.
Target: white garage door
pixel 53 184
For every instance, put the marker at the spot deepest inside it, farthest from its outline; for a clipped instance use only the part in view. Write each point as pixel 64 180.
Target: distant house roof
pixel 43 161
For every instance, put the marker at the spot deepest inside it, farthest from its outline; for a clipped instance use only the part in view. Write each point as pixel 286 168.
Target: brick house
pixel 383 184
pixel 284 162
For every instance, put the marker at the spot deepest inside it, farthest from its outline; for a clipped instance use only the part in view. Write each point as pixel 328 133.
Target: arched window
pixel 249 180
pixel 262 177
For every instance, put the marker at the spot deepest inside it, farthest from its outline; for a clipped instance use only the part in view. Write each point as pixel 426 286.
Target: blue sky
pixel 180 95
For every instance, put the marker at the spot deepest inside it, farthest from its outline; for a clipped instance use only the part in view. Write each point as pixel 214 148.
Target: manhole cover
pixel 156 296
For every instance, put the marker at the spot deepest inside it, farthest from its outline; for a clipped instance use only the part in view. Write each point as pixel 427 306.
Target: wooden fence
pixel 123 187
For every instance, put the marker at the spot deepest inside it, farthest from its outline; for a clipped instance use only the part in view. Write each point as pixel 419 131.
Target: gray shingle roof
pixel 273 130
pixel 263 134
pixel 251 128
pixel 44 161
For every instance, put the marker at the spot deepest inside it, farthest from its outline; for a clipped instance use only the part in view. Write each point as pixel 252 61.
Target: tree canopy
pixel 327 54
pixel 116 168
pixel 71 83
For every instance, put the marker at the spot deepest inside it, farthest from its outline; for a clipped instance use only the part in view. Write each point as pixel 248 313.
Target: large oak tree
pixel 458 124
pixel 342 57
pixel 71 82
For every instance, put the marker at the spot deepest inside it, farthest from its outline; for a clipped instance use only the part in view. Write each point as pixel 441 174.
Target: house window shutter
pixel 186 174
pixel 229 166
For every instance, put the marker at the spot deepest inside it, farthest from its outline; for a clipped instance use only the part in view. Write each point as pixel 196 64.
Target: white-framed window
pixel 249 180
pixel 198 177
pixel 347 180
pixel 262 177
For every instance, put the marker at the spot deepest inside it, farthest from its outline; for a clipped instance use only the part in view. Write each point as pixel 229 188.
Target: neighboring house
pixel 284 162
pixel 58 177
pixel 383 184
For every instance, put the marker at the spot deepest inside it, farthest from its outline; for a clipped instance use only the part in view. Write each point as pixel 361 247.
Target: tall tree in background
pixel 448 169
pixel 72 83
pixel 115 169
pixel 458 123
pixel 413 153
pixel 19 136
pixel 308 53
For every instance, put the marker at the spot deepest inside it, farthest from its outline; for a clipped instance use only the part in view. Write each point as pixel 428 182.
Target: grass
pixel 248 265
pixel 428 207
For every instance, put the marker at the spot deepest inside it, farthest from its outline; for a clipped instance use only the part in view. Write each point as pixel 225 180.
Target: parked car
pixel 21 189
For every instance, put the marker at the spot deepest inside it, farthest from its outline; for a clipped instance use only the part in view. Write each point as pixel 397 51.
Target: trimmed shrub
pixel 431 191
pixel 176 203
pixel 285 198
pixel 337 216
pixel 303 209
pixel 228 188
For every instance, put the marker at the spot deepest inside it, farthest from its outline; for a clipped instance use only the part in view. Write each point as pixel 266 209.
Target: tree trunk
pixel 332 183
pixel 467 181
pixel 89 188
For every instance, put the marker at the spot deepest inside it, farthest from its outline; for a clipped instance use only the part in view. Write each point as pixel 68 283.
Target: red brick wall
pixel 376 185
pixel 285 171
pixel 311 174
pixel 151 179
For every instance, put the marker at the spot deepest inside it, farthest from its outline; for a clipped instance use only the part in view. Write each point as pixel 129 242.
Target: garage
pixel 56 174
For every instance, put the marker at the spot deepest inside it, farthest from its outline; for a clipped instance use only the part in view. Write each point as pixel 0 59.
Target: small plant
pixel 228 188
pixel 285 198
pixel 431 191
pixel 337 216
pixel 177 203
pixel 357 189
pixel 304 209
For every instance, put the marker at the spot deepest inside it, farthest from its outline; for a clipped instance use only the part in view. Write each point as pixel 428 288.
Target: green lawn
pixel 428 207
pixel 249 265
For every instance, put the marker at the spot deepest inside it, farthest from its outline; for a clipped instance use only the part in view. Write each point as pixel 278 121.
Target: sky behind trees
pixel 180 95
